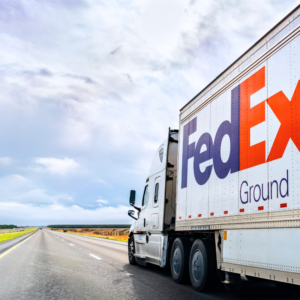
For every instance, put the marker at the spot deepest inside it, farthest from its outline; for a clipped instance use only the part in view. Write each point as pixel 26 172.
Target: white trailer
pixel 222 198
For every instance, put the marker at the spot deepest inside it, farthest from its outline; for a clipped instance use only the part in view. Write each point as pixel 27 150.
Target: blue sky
pixel 89 88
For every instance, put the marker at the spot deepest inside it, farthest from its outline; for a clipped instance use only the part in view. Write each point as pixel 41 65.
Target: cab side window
pixel 146 196
pixel 156 193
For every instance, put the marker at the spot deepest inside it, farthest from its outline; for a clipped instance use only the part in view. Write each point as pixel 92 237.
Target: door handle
pixel 144 222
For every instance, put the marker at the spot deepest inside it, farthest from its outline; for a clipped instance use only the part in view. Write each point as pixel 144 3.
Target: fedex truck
pixel 222 197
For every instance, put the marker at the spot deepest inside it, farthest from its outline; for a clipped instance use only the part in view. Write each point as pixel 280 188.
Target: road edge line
pixel 16 246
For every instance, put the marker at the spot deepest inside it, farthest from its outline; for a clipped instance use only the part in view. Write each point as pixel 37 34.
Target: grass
pixel 125 239
pixel 12 235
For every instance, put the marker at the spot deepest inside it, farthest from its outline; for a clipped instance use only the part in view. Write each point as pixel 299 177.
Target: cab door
pixel 142 221
pixel 154 240
pixel 142 239
pixel 154 219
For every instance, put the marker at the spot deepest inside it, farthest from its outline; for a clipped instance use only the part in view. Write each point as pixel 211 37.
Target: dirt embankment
pixel 121 234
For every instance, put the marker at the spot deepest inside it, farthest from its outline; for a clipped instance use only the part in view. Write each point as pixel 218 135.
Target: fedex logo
pixel 243 118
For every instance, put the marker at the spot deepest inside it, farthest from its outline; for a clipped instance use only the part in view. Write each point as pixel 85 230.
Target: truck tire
pixel 131 251
pixel 202 266
pixel 179 259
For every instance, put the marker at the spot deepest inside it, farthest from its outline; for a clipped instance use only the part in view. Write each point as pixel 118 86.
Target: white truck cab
pixel 157 212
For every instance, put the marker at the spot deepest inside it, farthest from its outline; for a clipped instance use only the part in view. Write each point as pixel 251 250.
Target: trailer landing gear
pixel 232 282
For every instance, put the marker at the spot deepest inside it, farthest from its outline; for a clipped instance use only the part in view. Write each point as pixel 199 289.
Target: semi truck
pixel 222 197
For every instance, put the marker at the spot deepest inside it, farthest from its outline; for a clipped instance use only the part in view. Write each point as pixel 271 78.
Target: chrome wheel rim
pixel 176 260
pixel 197 265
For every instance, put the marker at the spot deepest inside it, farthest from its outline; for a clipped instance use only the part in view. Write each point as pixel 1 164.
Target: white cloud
pixel 57 166
pixel 101 201
pixel 161 27
pixel 6 160
pixel 19 189
pixel 40 197
pixel 102 181
pixel 100 82
pixel 17 213
pixel 14 185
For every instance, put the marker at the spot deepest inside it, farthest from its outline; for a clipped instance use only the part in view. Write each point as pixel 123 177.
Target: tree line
pixel 8 226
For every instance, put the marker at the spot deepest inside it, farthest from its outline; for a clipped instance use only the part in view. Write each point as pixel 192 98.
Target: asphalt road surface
pixel 53 265
pixel 4 246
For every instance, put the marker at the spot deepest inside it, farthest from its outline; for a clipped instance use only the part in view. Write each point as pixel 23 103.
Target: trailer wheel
pixel 131 251
pixel 202 265
pixel 179 260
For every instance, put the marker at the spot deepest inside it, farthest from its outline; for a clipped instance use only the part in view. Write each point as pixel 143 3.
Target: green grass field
pixel 12 235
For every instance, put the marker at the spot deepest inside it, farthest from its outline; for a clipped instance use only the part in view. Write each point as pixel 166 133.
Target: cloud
pixel 84 78
pixel 19 189
pixel 11 185
pixel 6 160
pixel 92 86
pixel 17 213
pixel 40 197
pixel 103 182
pixel 56 166
pixel 101 202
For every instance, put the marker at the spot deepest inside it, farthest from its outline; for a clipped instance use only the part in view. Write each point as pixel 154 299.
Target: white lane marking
pixel 129 274
pixel 95 256
pixel 71 245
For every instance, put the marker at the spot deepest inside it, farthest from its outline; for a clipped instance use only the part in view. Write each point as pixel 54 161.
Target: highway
pixel 54 265
pixel 4 246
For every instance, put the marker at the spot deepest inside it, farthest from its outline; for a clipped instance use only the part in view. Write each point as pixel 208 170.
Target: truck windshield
pixel 146 196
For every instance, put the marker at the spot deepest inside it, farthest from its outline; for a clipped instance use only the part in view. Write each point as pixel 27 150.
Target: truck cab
pixel 156 216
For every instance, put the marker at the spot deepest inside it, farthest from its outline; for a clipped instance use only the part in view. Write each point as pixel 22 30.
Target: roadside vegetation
pixel 120 238
pixel 7 226
pixel 11 235
pixel 90 226
pixel 116 234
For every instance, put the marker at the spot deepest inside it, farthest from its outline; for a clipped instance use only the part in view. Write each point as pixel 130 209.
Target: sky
pixel 88 90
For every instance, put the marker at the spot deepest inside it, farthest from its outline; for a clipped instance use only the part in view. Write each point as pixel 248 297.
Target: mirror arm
pixel 132 216
pixel 137 208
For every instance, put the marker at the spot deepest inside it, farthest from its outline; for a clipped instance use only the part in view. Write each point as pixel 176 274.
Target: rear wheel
pixel 131 251
pixel 179 260
pixel 202 266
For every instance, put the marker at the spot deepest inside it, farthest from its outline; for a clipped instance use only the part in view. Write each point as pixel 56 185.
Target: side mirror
pixel 131 213
pixel 132 201
pixel 132 198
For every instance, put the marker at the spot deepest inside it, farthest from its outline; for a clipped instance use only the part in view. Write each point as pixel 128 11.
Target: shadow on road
pixel 260 289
